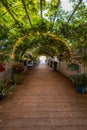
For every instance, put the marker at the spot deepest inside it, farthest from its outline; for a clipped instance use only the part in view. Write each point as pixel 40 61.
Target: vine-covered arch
pixel 41 42
pixel 19 17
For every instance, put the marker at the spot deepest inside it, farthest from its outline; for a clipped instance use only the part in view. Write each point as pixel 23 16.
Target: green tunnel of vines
pixel 41 28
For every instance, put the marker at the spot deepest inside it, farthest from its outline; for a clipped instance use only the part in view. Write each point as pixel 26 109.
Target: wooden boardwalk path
pixel 46 100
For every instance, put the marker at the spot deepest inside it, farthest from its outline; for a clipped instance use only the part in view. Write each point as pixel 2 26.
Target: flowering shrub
pixel 17 68
pixel 2 66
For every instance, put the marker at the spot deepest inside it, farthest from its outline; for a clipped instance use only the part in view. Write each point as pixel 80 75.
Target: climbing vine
pixel 36 25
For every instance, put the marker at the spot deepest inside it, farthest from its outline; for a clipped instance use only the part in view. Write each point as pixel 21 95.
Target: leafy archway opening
pixel 39 43
pixel 42 59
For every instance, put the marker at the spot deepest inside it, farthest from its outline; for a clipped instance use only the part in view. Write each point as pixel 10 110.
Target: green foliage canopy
pixel 26 17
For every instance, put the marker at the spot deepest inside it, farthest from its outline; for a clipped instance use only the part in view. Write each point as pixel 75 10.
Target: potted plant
pixel 2 89
pixel 5 87
pixel 80 81
pixel 2 66
pixel 17 71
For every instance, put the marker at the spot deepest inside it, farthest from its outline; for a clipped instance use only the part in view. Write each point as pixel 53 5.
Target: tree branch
pixel 26 12
pixel 7 8
pixel 58 3
pixel 80 1
pixel 41 7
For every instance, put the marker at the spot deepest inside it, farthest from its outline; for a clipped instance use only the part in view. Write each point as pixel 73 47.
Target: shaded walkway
pixel 45 100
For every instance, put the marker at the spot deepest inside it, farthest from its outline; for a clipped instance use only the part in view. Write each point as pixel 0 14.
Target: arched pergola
pixel 41 42
pixel 36 25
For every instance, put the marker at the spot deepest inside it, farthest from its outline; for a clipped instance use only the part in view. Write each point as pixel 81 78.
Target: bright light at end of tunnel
pixel 42 59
